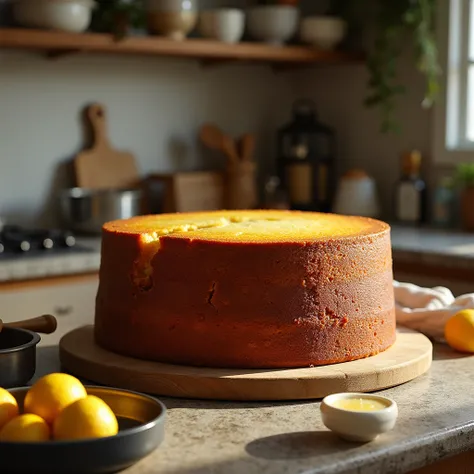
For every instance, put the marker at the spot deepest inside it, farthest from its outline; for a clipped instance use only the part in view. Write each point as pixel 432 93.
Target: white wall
pixel 155 107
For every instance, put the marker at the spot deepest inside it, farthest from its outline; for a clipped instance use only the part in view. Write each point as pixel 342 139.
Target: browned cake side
pixel 248 289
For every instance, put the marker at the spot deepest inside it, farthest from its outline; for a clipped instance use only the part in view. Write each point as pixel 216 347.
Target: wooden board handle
pixel 45 324
pixel 97 116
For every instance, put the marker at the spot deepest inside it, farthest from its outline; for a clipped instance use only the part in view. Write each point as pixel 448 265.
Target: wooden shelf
pixel 57 43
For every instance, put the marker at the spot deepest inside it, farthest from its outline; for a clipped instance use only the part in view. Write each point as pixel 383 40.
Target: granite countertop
pixel 436 421
pixel 433 246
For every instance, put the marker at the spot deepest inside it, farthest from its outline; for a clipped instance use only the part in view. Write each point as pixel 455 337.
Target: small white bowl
pixel 324 32
pixel 273 24
pixel 64 15
pixel 359 426
pixel 224 24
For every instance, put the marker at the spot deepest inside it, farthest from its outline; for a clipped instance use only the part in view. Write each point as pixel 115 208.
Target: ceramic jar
pixel 357 195
pixel 174 19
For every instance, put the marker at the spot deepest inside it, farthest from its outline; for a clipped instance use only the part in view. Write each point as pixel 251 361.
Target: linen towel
pixel 428 309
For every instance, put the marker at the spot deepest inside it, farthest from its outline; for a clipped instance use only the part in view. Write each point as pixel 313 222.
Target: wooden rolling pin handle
pixel 45 324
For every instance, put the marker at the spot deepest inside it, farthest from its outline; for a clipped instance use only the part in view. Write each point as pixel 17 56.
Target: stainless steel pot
pixel 18 343
pixel 87 210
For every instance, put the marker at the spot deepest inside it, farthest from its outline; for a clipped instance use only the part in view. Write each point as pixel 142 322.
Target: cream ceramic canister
pixel 174 19
pixel 357 195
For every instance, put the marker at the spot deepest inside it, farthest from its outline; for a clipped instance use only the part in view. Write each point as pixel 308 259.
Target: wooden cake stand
pixel 407 359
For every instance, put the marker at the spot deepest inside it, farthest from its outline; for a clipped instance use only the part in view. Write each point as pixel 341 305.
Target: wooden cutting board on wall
pixel 102 166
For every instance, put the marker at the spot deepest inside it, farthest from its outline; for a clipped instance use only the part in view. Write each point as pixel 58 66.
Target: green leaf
pixel 395 20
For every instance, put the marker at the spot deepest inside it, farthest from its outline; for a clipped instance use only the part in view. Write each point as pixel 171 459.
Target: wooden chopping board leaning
pixel 102 166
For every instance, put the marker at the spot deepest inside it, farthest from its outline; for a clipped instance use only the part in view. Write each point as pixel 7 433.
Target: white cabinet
pixel 70 299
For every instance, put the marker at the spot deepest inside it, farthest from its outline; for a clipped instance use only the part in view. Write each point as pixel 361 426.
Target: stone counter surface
pixel 430 246
pixel 436 420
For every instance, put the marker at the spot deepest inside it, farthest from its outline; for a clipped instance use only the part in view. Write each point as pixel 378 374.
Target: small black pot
pixel 17 356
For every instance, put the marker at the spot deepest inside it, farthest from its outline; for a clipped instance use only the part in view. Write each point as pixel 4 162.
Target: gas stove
pixel 38 253
pixel 15 241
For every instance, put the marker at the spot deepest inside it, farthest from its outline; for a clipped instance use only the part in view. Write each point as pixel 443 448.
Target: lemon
pixel 8 407
pixel 88 417
pixel 51 394
pixel 25 428
pixel 459 331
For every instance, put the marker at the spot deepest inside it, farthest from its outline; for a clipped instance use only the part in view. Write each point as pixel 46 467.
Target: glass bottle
pixel 443 203
pixel 410 191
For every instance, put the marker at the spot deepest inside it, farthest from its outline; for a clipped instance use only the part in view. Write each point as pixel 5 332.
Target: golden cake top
pixel 247 226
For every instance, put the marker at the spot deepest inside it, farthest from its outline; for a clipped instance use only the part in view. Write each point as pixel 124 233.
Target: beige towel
pixel 427 309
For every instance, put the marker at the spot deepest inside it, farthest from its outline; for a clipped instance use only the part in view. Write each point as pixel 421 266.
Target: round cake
pixel 246 289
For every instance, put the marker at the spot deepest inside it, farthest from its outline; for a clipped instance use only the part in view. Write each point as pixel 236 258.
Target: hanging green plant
pixel 118 17
pixel 393 22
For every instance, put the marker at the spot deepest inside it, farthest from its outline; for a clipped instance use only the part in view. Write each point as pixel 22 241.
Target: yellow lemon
pixel 51 394
pixel 8 407
pixel 459 331
pixel 89 417
pixel 25 428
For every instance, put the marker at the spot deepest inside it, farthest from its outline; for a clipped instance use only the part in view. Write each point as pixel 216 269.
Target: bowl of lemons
pixel 58 425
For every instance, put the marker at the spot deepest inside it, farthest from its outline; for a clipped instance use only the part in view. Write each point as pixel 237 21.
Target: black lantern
pixel 307 160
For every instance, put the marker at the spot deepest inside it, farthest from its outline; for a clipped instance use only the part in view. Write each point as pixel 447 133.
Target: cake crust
pixel 246 289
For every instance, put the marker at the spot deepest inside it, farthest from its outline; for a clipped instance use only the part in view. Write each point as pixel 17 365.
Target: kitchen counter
pixel 436 421
pixel 432 246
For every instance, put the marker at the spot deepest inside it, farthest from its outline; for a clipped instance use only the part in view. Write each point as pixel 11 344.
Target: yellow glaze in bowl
pixel 359 404
pixel 358 417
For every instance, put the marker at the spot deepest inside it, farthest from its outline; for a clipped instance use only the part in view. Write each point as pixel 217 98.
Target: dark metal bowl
pixel 17 356
pixel 142 428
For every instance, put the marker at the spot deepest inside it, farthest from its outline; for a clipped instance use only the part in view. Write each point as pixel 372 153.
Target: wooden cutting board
pixel 101 166
pixel 407 359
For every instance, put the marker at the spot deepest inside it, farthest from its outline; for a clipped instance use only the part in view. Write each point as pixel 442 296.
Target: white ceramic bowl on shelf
pixel 273 24
pixel 323 32
pixel 223 24
pixel 63 15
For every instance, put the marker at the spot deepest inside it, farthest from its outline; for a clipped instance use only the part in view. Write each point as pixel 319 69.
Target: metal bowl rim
pixel 35 339
pixel 81 193
pixel 121 434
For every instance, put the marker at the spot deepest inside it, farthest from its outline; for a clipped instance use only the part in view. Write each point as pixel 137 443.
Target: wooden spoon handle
pixel 211 136
pixel 45 324
pixel 229 148
pixel 247 147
